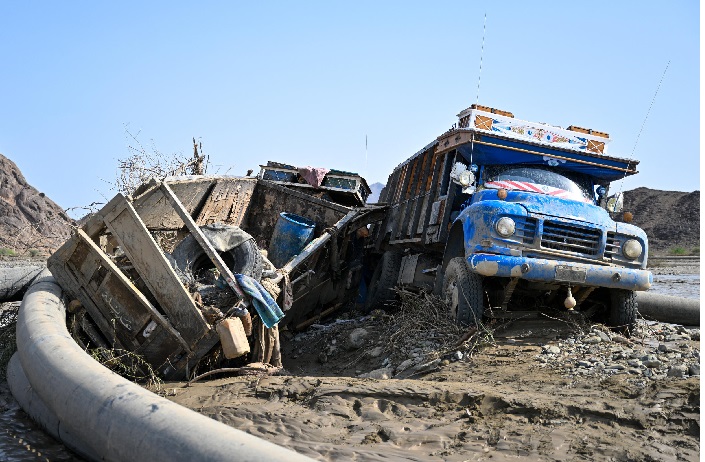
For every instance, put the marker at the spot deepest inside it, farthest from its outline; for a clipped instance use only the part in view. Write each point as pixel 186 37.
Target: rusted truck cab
pixel 500 215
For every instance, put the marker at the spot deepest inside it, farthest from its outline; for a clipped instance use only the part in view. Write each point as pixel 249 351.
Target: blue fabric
pixel 266 306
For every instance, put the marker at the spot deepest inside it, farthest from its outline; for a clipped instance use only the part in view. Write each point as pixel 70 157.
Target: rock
pixel 694 369
pixel 677 371
pixel 420 368
pixel 652 363
pixel 634 371
pixel 375 352
pixel 616 367
pixel 584 364
pixel 379 374
pixel 356 339
pixel 551 350
pixel 634 363
pixel 620 339
pixel 663 348
pixel 511 340
pixel 592 340
pixel 603 336
pixel 404 365
pixel 458 355
pixel 28 218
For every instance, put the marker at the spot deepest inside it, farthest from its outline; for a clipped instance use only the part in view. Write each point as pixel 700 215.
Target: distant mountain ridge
pixel 671 219
pixel 376 190
pixel 28 219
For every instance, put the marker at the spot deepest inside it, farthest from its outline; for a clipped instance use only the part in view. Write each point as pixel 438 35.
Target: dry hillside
pixel 28 219
pixel 671 219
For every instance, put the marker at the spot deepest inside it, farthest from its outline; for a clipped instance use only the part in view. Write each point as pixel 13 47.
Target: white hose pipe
pixel 111 417
pixel 667 308
pixel 15 280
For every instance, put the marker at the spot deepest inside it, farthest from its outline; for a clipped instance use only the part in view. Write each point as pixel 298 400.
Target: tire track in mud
pixel 341 417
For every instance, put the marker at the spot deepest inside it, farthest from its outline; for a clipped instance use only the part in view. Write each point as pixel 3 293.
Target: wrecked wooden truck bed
pixel 127 294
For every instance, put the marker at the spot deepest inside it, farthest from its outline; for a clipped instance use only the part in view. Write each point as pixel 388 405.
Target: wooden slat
pixel 433 192
pixel 420 199
pixel 158 214
pixel 228 201
pixel 155 271
pixel 201 239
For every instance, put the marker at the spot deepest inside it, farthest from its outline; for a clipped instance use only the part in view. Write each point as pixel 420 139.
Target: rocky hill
pixel 30 222
pixel 671 219
pixel 376 190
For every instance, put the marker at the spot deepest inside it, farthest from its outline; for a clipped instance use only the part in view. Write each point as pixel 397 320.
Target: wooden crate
pixel 160 321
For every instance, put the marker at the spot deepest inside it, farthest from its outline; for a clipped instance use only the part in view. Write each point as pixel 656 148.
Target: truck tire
pixel 244 259
pixel 462 290
pixel 623 310
pixel 384 280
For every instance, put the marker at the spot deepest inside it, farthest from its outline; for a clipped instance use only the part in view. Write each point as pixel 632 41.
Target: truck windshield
pixel 539 180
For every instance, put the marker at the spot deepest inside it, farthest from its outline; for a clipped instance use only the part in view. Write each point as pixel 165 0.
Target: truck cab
pixel 500 215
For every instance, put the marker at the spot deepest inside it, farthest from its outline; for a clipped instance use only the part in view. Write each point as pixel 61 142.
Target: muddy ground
pixel 536 389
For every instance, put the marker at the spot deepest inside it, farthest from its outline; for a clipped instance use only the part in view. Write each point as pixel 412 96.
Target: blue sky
pixel 305 82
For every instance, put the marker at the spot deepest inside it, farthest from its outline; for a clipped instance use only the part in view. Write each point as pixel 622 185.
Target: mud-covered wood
pixel 119 310
pixel 155 271
pixel 158 214
pixel 202 240
pixel 228 202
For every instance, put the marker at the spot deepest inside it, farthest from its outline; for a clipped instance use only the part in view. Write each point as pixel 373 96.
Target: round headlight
pixel 505 226
pixel 632 249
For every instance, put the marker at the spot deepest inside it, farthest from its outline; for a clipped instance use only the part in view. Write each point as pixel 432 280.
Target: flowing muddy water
pixel 23 440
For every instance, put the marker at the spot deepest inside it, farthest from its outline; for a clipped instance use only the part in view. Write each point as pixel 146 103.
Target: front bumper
pixel 576 274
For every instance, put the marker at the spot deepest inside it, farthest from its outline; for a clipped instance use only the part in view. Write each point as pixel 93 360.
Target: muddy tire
pixel 244 259
pixel 623 310
pixel 384 280
pixel 462 290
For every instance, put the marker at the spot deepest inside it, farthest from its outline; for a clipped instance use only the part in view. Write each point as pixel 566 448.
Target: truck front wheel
pixel 462 290
pixel 623 310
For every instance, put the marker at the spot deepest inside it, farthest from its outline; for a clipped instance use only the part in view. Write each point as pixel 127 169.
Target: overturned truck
pixel 505 218
pixel 162 273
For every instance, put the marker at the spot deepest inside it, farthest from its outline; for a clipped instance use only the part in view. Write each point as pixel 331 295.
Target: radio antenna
pixel 479 77
pixel 482 52
pixel 650 106
pixel 621 185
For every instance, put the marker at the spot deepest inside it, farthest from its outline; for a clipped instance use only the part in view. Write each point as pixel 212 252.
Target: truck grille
pixel 612 246
pixel 570 238
pixel 526 229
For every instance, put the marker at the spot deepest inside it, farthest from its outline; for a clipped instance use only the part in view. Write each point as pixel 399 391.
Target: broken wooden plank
pixel 155 270
pixel 227 202
pixel 201 239
pixel 157 213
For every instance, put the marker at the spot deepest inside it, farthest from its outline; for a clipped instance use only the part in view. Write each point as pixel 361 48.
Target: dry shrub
pixel 129 365
pixel 143 164
pixel 424 319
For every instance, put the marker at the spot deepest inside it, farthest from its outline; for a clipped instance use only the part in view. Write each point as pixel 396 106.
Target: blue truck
pixel 504 217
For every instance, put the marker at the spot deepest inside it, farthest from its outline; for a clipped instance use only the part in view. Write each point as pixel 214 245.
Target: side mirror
pixel 615 203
